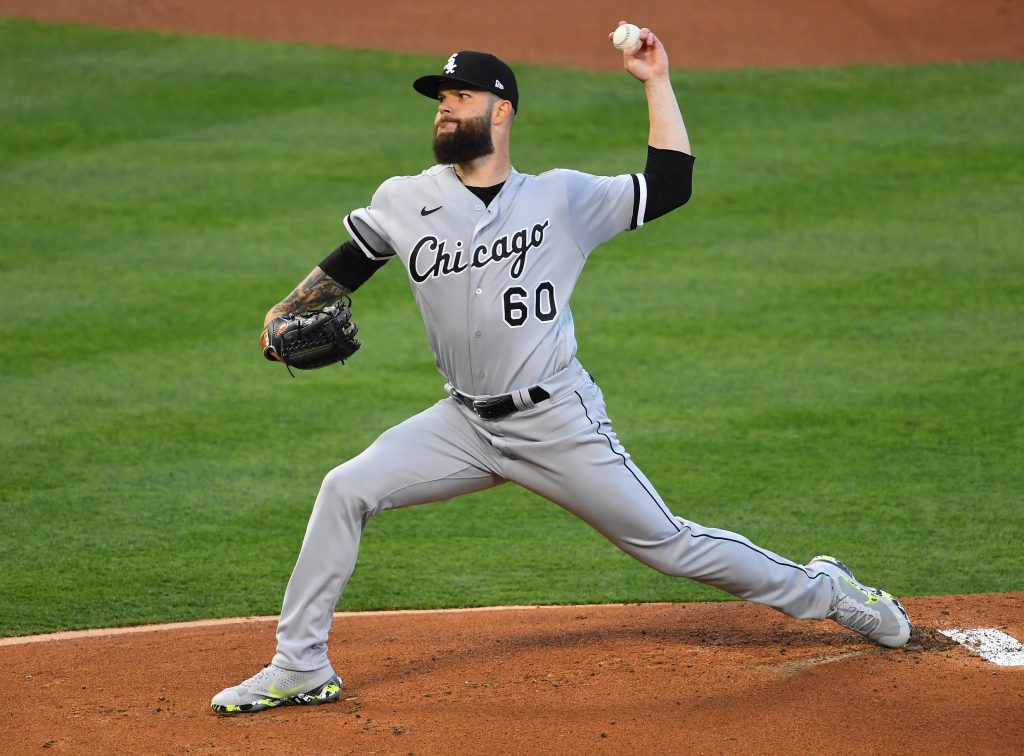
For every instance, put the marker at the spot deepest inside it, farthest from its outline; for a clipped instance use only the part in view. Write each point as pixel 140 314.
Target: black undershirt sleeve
pixel 349 266
pixel 669 176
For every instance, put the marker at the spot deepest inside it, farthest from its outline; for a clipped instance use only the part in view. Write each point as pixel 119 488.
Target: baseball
pixel 626 37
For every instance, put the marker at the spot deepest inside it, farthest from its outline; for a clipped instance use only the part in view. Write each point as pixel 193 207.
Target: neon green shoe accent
pixel 326 693
pixel 275 693
pixel 872 596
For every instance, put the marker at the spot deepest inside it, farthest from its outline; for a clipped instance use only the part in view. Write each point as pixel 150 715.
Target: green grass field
pixel 824 351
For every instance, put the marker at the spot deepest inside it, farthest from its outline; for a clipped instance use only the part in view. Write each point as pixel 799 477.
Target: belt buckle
pixel 490 409
pixel 474 405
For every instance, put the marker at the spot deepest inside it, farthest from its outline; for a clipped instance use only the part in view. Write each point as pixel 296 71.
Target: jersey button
pixel 479 291
pixel 479 207
pixel 480 374
pixel 478 334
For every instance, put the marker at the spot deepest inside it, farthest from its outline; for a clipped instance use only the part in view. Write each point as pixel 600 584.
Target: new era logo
pixel 498 84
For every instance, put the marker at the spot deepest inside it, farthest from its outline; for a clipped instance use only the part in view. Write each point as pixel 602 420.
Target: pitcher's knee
pixel 344 489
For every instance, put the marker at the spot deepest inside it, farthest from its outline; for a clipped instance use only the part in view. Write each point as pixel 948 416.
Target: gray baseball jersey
pixel 493 285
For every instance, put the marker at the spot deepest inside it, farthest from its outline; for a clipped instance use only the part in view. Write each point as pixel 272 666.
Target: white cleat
pixel 273 686
pixel 871 612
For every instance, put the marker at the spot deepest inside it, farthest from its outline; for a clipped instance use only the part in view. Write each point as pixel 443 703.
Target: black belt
pixel 499 407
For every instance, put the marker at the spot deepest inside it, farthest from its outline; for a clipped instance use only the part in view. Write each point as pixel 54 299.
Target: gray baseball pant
pixel 563 449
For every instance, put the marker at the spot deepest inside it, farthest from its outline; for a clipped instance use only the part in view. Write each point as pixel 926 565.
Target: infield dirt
pixel 656 678
pixel 700 33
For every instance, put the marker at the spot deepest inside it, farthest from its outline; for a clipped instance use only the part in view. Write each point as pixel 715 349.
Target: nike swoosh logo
pixel 275 693
pixel 424 212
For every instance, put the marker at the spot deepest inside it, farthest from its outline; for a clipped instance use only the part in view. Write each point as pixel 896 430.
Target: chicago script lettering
pixel 430 257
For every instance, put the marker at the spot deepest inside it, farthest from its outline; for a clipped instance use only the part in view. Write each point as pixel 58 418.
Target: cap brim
pixel 429 86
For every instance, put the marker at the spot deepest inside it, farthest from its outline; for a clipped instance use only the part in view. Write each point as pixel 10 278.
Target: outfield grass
pixel 823 351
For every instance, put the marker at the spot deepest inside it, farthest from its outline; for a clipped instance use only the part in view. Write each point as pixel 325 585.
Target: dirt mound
pixel 654 678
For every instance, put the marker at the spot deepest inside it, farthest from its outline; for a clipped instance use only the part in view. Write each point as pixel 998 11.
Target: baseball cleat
pixel 871 612
pixel 273 686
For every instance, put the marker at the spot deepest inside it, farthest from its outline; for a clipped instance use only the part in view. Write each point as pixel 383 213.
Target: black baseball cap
pixel 473 70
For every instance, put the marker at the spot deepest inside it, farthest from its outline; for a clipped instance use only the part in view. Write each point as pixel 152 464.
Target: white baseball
pixel 626 37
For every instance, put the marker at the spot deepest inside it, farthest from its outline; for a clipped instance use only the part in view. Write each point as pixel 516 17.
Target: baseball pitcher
pixel 492 256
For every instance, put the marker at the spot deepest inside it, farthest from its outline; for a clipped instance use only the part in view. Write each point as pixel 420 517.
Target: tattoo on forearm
pixel 316 290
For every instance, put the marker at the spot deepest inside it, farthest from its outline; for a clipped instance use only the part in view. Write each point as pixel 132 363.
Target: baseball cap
pixel 474 70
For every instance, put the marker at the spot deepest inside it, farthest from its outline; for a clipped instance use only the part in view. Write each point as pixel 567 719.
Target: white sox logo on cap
pixel 452 65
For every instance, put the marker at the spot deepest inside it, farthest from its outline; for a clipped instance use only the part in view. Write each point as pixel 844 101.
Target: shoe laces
pixel 851 613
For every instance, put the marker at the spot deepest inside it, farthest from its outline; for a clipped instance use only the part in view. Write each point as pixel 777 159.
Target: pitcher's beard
pixel 470 140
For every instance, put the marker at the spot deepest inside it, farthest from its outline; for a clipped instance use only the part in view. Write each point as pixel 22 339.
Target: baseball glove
pixel 313 339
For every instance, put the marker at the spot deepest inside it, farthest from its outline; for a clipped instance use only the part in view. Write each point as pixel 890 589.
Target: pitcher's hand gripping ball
pixel 313 339
pixel 626 37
